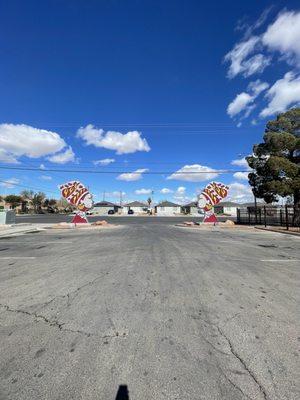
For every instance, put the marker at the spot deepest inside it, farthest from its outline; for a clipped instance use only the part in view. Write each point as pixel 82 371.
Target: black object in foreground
pixel 122 393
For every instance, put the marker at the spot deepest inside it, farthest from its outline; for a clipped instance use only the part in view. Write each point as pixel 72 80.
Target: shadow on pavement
pixel 122 393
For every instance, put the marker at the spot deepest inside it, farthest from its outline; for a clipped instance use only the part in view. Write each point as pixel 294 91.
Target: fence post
pixel 287 217
pixel 260 216
pixel 238 216
pixel 249 221
pixel 281 219
pixel 265 216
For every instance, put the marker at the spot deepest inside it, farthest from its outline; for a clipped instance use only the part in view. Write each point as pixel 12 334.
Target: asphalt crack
pixel 235 353
pixel 59 325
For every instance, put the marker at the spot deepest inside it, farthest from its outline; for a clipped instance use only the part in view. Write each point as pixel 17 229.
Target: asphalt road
pixel 173 313
pixel 123 220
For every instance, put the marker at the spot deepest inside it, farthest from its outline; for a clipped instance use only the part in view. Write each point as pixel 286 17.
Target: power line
pixel 12 184
pixel 82 171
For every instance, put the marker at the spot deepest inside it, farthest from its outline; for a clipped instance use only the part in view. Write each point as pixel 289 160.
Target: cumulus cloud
pixel 282 95
pixel 24 140
pixel 240 193
pixel 9 183
pixel 283 35
pixel 194 173
pixel 240 162
pixel 126 143
pixel 244 101
pixel 104 162
pixel 241 175
pixel 166 191
pixel 63 157
pixel 132 176
pixel 143 191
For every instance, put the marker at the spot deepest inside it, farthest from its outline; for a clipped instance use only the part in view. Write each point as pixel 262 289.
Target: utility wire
pixel 81 171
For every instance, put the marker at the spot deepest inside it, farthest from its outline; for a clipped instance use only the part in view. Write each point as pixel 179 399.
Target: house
pixel 227 207
pixel 136 206
pixel 167 208
pixel 103 207
pixel 191 208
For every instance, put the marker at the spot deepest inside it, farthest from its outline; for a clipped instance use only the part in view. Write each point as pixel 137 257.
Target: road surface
pixel 125 219
pixel 169 312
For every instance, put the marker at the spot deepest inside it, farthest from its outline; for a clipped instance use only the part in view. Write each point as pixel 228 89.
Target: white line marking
pixel 33 244
pixel 280 261
pixel 17 258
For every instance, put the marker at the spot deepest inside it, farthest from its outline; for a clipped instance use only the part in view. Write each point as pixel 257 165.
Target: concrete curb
pixel 278 231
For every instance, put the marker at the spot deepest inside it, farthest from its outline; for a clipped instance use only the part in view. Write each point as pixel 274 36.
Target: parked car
pixel 110 212
pixel 130 212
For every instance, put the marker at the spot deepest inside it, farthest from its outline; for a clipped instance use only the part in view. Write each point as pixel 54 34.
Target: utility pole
pixel 121 200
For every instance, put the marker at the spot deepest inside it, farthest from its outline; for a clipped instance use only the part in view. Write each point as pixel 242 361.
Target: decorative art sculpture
pixel 79 196
pixel 211 195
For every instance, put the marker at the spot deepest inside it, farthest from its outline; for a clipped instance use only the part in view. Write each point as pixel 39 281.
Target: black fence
pixel 287 216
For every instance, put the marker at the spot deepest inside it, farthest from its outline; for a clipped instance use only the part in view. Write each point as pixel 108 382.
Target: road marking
pixel 34 244
pixel 280 261
pixel 17 258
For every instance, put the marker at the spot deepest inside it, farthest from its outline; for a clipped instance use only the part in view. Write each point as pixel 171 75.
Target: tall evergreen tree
pixel 276 161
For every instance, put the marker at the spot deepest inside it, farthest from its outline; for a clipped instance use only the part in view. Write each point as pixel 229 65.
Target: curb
pixel 278 231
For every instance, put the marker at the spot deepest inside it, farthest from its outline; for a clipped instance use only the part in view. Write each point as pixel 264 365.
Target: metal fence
pixel 287 216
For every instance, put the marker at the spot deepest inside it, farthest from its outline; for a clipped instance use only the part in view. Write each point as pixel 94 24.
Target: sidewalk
pixel 20 229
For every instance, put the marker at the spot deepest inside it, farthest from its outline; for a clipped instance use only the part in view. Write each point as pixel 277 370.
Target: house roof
pixel 192 204
pixel 135 204
pixel 105 204
pixel 167 204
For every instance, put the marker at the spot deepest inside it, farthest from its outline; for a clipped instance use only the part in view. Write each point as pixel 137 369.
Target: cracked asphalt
pixel 173 313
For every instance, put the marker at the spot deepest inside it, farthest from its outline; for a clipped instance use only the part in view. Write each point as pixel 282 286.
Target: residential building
pixel 191 208
pixel 103 207
pixel 167 208
pixel 227 207
pixel 136 206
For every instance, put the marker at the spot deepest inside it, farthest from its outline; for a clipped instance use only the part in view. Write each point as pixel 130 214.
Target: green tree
pixel 149 201
pixel 13 200
pixel 37 201
pixel 276 161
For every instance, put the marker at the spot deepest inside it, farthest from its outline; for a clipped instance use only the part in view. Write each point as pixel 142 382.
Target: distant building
pixel 191 208
pixel 167 208
pixel 103 207
pixel 227 207
pixel 136 206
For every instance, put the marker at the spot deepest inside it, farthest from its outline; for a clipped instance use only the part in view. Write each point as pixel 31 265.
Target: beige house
pixel 167 208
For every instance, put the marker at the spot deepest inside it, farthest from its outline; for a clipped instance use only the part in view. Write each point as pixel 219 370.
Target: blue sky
pixel 192 82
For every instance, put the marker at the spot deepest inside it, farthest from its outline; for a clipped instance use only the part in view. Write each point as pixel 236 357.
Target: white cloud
pixel 105 161
pixel 6 157
pixel 239 61
pixel 244 101
pixel 282 95
pixel 63 157
pixel 166 191
pixel 240 103
pixel 115 193
pixel 181 190
pixel 143 191
pixel 42 166
pixel 194 173
pixel 283 35
pixel 240 162
pixel 241 175
pixel 132 176
pixel 240 193
pixel 46 177
pixel 9 183
pixel 24 140
pixel 129 142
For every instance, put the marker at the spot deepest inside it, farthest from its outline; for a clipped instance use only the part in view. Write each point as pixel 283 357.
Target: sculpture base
pixel 80 218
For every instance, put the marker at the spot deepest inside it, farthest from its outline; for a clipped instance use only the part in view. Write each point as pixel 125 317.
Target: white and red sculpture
pixel 78 196
pixel 211 195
